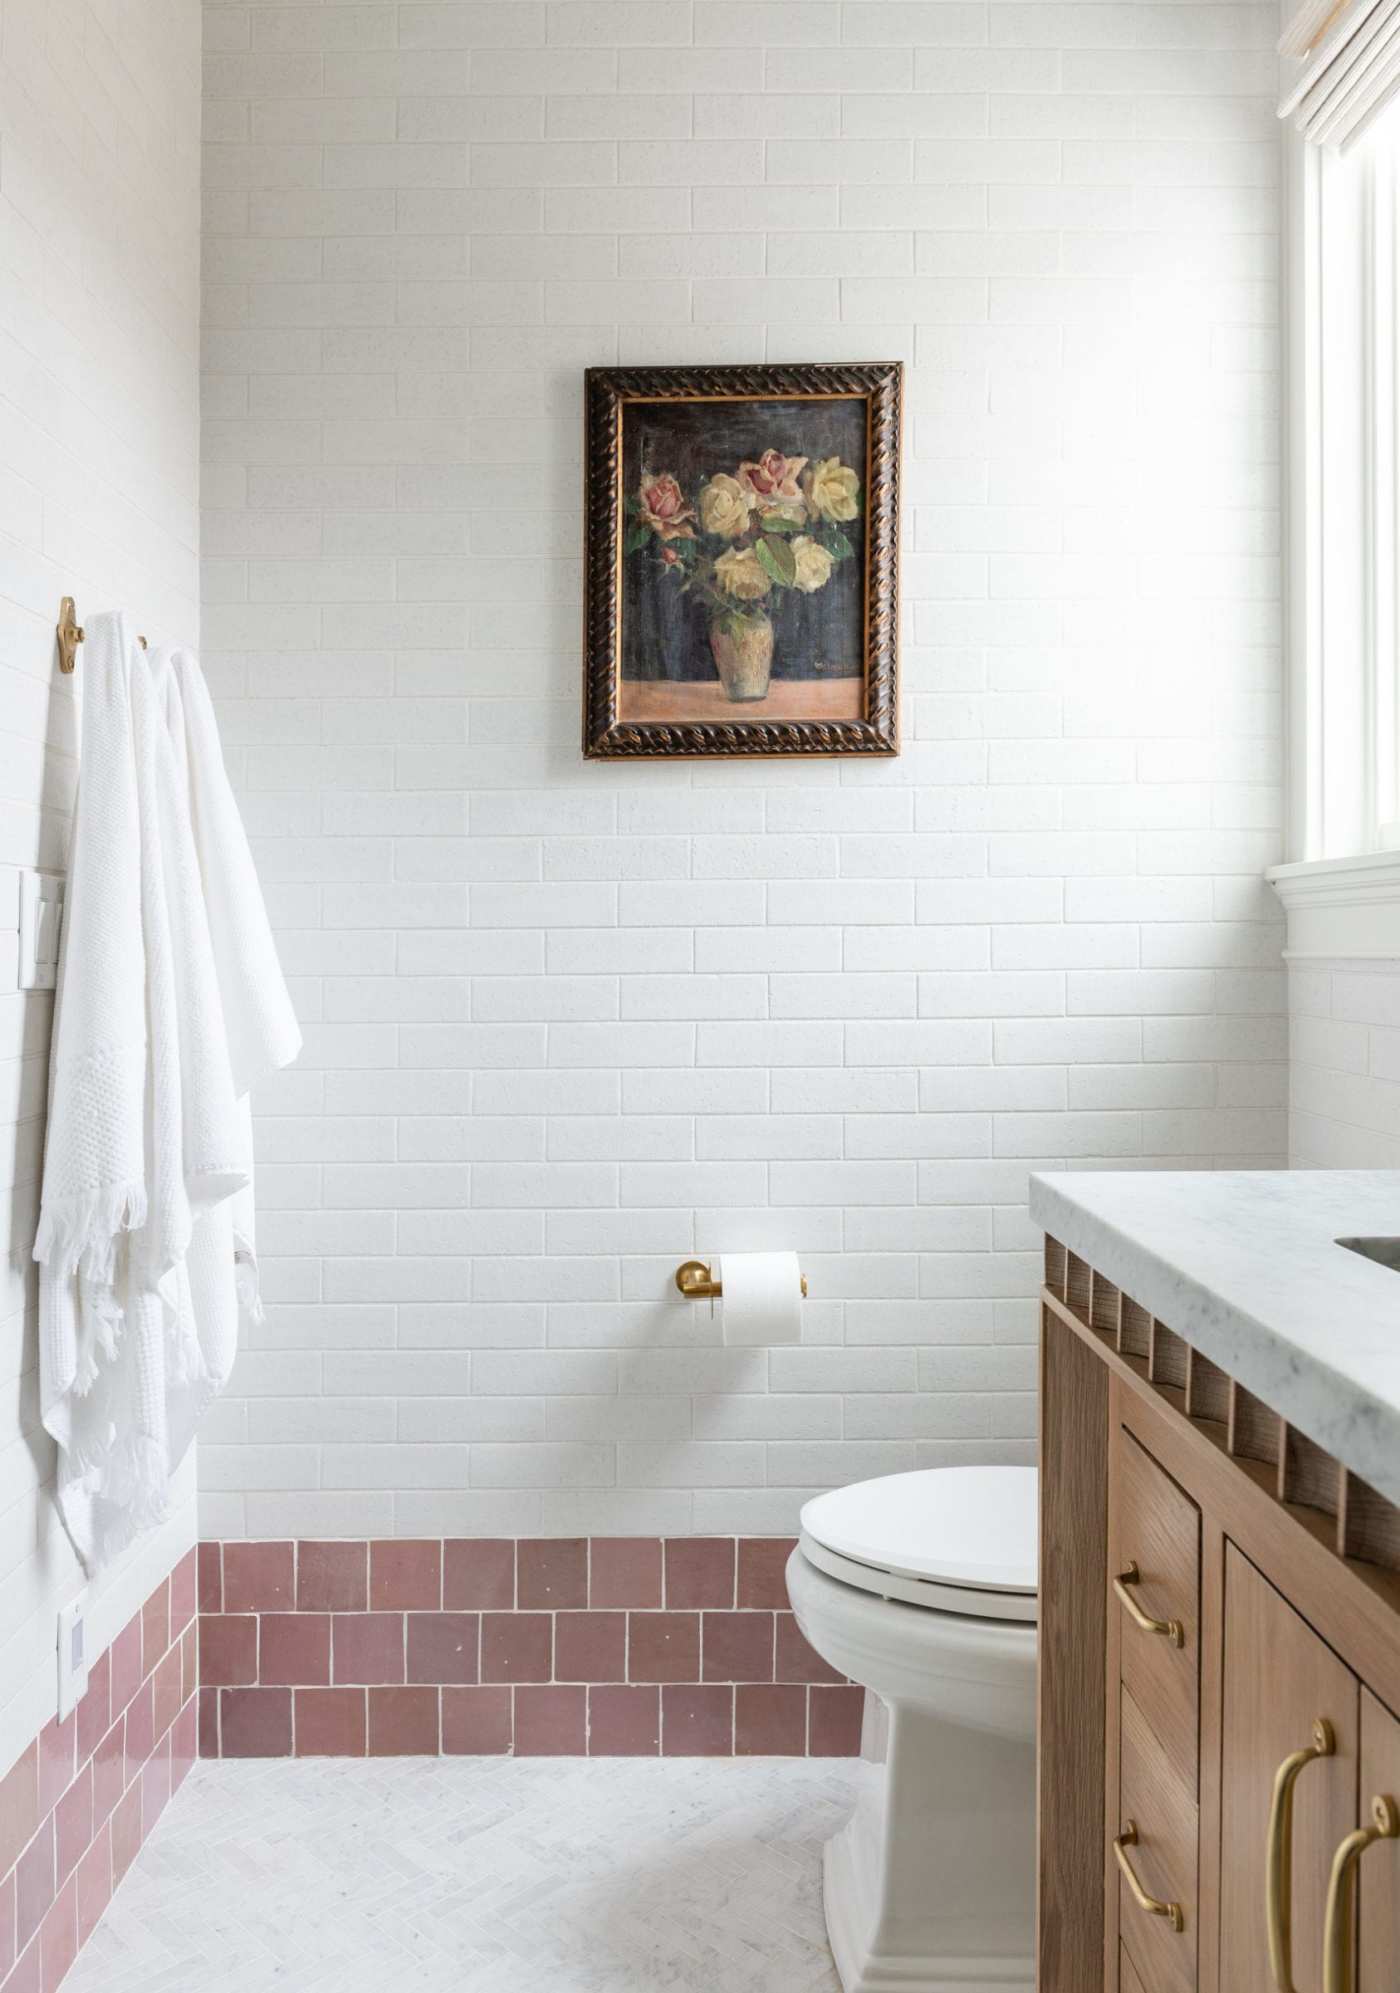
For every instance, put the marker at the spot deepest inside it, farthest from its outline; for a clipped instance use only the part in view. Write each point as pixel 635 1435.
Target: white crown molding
pixel 1341 907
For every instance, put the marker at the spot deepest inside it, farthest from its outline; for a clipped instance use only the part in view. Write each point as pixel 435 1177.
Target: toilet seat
pixel 950 1539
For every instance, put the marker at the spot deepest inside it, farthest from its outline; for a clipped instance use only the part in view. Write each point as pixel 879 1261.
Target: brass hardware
pixel 1338 1962
pixel 1151 1904
pixel 1170 1629
pixel 1278 1880
pixel 70 635
pixel 697 1283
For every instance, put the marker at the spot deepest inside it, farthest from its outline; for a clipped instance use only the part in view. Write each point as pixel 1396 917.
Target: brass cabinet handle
pixel 1338 1964
pixel 1278 1862
pixel 1169 1628
pixel 1151 1904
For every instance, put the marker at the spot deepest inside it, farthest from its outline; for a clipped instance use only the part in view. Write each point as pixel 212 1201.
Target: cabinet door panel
pixel 1128 1981
pixel 1379 1875
pixel 1279 1678
pixel 1162 1808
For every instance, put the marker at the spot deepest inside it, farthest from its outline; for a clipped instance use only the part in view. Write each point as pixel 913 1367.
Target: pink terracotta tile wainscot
pixel 77 1805
pixel 549 1646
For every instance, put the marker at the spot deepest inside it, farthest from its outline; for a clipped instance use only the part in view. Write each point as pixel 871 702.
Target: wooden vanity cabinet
pixel 1220 1678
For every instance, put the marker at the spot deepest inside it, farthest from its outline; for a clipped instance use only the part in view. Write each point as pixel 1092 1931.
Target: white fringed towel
pixel 144 1132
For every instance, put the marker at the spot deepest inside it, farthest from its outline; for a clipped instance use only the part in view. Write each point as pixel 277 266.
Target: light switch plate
pixel 40 922
pixel 72 1654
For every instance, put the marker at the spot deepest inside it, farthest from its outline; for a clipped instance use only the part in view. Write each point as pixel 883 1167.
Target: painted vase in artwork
pixel 743 653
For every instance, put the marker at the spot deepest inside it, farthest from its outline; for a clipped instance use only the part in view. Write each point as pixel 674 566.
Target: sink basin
pixel 1385 1252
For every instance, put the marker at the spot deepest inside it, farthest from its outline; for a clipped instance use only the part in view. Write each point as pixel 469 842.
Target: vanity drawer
pixel 1154 1589
pixel 1159 1822
pixel 1128 1980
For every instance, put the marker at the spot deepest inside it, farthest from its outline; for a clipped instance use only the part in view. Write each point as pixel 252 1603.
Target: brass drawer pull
pixel 1278 1872
pixel 1338 1965
pixel 1151 1904
pixel 1171 1629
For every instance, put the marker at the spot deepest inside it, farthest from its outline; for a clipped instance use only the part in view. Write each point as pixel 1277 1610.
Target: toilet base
pixel 861 1970
pixel 928 1886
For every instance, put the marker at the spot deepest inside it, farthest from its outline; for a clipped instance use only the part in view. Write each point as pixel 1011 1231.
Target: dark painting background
pixel 665 635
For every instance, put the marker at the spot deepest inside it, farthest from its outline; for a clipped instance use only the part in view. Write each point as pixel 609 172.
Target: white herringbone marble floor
pixel 480 1875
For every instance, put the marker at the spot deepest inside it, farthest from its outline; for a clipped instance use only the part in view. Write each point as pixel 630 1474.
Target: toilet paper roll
pixel 762 1298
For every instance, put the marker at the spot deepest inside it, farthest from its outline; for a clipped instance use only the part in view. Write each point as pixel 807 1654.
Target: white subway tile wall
pixel 1345 1065
pixel 568 1024
pixel 99 411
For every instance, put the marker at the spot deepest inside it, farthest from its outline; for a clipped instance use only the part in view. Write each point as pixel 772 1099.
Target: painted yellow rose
pixel 724 506
pixel 833 490
pixel 739 574
pixel 814 565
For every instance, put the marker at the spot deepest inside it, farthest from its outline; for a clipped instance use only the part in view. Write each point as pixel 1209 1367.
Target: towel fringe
pixel 80 1234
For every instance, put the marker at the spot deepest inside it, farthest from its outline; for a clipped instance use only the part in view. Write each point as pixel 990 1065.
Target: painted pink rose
pixel 772 483
pixel 664 509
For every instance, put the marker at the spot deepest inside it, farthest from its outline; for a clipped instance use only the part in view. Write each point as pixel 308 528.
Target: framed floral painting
pixel 741 560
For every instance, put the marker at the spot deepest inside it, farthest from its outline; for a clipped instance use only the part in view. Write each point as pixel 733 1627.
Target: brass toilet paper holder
pixel 697 1282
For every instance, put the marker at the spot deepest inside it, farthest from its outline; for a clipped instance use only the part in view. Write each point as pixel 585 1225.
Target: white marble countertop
pixel 1244 1266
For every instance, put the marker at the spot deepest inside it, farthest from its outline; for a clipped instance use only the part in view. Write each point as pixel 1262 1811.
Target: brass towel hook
pixel 70 635
pixel 696 1281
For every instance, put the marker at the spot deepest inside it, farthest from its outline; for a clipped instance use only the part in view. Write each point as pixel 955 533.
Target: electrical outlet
pixel 72 1654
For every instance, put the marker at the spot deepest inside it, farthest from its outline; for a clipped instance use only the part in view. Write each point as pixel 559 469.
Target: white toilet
pixel 922 1587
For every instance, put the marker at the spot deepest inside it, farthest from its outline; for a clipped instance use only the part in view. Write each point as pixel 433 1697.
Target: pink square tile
pixel 697 1721
pixel 796 1661
pixel 405 1577
pixel 255 1723
pixel 551 1573
pixel 155 1626
pixel 73 1825
pixel 259 1577
pixel 182 1594
pixel 126 1832
pixel 517 1646
pixel 444 1647
pixel 166 1685
pixel 295 1647
pixel 663 1646
pixel 183 1745
pixel 625 1571
pixel 699 1572
pixel 478 1574
pixel 834 1717
pixel 140 1729
pixel 332 1577
pixel 590 1647
pixel 403 1723
pixel 94 1883
pixel 34 1885
pixel 366 1647
pixel 551 1722
pixel 155 1786
pixel 25 1977
pixel 737 1646
pixel 476 1722
pixel 57 1748
pixel 109 1771
pixel 208 1723
pixel 94 1711
pixel 762 1563
pixel 7 1923
pixel 58 1940
pixel 624 1722
pixel 770 1721
pixel 330 1723
pixel 189 1660
pixel 126 1664
pixel 228 1649
pixel 211 1577
pixel 19 1806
